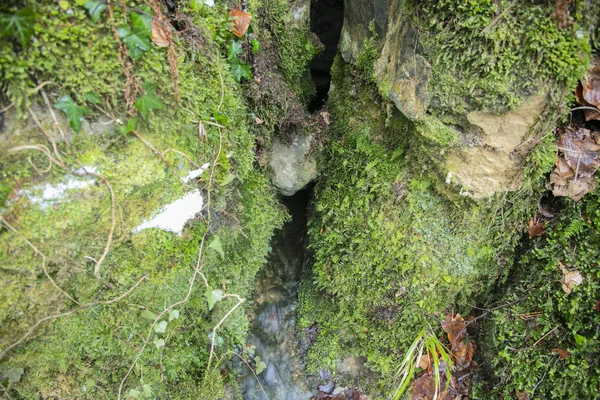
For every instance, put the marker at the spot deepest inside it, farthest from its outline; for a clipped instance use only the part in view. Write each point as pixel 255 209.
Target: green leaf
pixel 216 245
pixel 81 2
pixel 148 102
pixel 159 343
pixel 260 365
pixel 579 340
pixel 136 37
pixel 240 70
pixel 218 339
pixel 149 315
pixel 130 126
pixel 134 394
pixel 89 385
pixel 93 98
pixel 13 374
pixel 227 180
pixel 74 112
pixel 18 25
pixel 255 46
pixel 233 50
pixel 147 390
pixel 173 314
pixel 213 296
pixel 95 8
pixel 161 327
pixel 64 5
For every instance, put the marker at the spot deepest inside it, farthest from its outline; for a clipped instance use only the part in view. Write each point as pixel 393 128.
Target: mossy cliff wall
pixel 62 335
pixel 440 140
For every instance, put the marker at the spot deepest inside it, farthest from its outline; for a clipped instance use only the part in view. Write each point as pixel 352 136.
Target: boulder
pixel 291 164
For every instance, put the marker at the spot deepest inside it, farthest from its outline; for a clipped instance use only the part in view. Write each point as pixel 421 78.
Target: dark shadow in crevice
pixel 327 18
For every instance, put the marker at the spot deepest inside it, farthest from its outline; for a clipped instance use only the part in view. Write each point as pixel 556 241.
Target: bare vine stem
pixel 5 351
pixel 42 255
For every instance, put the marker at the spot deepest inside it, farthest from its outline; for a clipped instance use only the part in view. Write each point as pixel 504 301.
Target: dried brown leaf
pixel 580 151
pixel 563 354
pixel 241 21
pixel 160 35
pixel 522 396
pixel 575 189
pixel 597 306
pixel 455 327
pixel 425 363
pixel 536 227
pixel 591 84
pixel 570 279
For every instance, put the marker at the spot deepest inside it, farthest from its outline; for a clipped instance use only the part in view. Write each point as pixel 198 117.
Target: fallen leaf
pixel 536 227
pixel 522 396
pixel 425 362
pixel 562 353
pixel 455 327
pixel 580 151
pixel 160 35
pixel 241 21
pixel 463 353
pixel 591 84
pixel 325 116
pixel 570 279
pixel 258 121
pixel 597 306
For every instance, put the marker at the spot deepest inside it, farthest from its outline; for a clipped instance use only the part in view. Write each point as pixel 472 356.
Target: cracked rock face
pixel 291 165
pixel 494 165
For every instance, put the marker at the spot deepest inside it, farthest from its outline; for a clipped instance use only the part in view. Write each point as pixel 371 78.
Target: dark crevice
pixel 327 17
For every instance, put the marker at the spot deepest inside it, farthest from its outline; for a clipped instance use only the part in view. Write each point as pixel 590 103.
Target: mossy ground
pixel 394 246
pixel 86 355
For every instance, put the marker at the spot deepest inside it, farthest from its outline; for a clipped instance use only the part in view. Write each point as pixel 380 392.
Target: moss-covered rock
pixel 56 222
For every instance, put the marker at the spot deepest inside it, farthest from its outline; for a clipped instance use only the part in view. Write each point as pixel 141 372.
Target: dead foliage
pixel 462 348
pixel 588 91
pixel 162 36
pixel 537 227
pixel 241 21
pixel 570 279
pixel 576 162
pixel 561 13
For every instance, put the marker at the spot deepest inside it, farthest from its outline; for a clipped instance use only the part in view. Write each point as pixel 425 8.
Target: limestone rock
pixel 494 166
pixel 291 164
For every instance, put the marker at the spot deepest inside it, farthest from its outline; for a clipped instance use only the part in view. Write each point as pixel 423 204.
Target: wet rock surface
pixel 292 166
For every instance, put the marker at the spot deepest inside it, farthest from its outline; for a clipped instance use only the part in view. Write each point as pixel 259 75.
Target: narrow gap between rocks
pixel 327 18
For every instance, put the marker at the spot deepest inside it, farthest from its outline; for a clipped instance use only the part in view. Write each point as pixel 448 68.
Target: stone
pixel 352 366
pixel 291 164
pixel 327 388
pixel 494 165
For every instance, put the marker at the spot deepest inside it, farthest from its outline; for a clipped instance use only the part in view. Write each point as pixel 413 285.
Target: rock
pixel 327 388
pixel 352 366
pixel 291 164
pixel 494 166
pixel 324 374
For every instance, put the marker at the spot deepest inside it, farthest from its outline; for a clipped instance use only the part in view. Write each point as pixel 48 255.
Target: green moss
pixel 520 352
pixel 88 353
pixel 494 54
pixel 394 246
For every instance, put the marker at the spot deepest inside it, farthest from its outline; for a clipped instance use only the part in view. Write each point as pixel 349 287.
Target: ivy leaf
pixel 217 246
pixel 240 70
pixel 218 339
pixel 159 343
pixel 233 50
pixel 173 314
pixel 137 39
pixel 161 327
pixel 147 390
pixel 89 385
pixel 149 315
pixel 18 25
pixel 93 98
pixel 227 180
pixel 74 112
pixel 13 374
pixel 260 365
pixel 134 394
pixel 95 8
pixel 149 101
pixel 255 46
pixel 212 296
pixel 130 126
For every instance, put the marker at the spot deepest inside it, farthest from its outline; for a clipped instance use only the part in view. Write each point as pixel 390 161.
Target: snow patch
pixel 196 173
pixel 51 194
pixel 173 216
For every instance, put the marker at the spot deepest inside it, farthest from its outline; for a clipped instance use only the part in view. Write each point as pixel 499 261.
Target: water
pixel 272 329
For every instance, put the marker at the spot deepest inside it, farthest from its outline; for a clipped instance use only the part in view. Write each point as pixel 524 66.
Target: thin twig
pixel 4 352
pixel 543 337
pixel 42 255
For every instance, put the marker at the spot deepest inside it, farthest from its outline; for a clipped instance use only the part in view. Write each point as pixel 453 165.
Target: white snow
pixel 173 216
pixel 51 193
pixel 196 173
